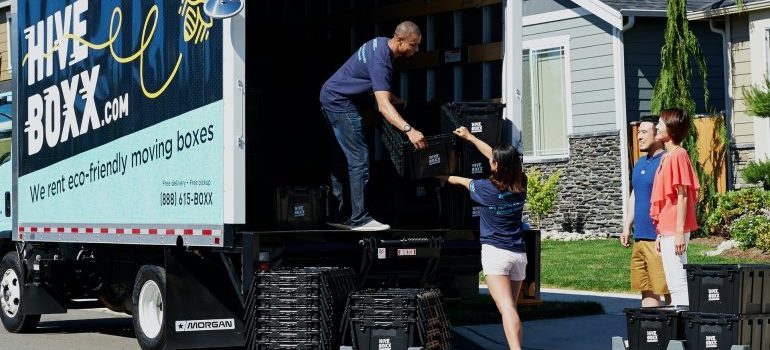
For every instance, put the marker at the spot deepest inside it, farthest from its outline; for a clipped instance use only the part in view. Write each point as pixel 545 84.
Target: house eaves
pixel 728 10
pixel 644 13
pixel 603 11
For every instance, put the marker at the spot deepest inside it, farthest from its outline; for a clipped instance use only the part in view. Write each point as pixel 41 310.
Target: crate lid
pixel 726 267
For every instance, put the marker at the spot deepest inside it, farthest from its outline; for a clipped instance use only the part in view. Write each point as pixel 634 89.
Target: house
pixel 5 47
pixel 589 70
pixel 746 45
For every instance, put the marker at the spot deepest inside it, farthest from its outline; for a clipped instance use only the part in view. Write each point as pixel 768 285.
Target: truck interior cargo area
pixel 294 46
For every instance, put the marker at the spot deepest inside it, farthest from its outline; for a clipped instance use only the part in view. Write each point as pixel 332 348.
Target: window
pixel 545 99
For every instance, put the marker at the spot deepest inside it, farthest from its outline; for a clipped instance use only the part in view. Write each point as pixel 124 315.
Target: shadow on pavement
pixel 119 327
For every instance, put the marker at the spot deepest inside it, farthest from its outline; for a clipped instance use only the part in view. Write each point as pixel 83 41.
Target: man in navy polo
pixel 368 70
pixel 647 273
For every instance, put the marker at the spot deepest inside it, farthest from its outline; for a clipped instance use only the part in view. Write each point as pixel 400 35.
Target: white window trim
pixel 547 43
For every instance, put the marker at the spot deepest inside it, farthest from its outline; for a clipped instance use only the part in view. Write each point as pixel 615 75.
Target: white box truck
pixel 146 140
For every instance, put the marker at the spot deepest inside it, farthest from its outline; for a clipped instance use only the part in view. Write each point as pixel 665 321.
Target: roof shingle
pixel 659 5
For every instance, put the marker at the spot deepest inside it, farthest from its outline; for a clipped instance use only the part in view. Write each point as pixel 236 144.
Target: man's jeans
pixel 348 130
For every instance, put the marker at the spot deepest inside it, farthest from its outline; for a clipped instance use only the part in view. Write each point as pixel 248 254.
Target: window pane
pixel 526 107
pixel 551 102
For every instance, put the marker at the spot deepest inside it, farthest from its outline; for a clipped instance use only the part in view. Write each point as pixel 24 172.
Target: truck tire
pixel 149 298
pixel 11 289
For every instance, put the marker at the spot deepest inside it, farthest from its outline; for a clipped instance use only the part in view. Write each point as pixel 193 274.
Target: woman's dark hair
pixel 510 172
pixel 677 123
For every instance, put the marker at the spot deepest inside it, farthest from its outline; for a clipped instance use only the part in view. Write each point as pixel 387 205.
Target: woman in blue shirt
pixel 503 256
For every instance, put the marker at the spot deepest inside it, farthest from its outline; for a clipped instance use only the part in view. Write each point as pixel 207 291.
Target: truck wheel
pixel 11 287
pixel 149 298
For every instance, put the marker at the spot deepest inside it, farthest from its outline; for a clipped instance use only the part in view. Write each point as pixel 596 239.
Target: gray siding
pixel 642 45
pixel 591 70
pixel 740 61
pixel 536 7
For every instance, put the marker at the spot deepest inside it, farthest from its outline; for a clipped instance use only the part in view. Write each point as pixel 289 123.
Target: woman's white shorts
pixel 501 262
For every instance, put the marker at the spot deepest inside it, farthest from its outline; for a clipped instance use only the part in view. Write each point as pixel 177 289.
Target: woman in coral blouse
pixel 672 204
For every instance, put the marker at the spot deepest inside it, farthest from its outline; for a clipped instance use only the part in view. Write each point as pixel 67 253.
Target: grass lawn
pixel 603 265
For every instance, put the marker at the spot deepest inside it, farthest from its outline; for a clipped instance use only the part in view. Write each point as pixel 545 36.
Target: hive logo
pixel 434 159
pixel 299 211
pixel 714 294
pixel 652 336
pixel 711 342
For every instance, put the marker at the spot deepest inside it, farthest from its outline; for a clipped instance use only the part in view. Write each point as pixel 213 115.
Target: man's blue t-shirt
pixel 501 213
pixel 369 69
pixel 641 181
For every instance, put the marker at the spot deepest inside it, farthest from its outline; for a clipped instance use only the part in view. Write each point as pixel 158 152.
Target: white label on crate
pixel 434 159
pixel 711 341
pixel 476 127
pixel 652 336
pixel 476 212
pixel 205 325
pixel 477 168
pixel 299 211
pixel 407 252
pixel 382 253
pixel 420 192
pixel 714 294
pixel 384 344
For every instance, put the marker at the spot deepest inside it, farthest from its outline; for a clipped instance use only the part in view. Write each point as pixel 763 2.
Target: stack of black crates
pixel 298 308
pixel 485 121
pixel 729 305
pixel 397 319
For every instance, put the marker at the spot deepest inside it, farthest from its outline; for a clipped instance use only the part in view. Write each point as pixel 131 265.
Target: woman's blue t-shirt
pixel 501 214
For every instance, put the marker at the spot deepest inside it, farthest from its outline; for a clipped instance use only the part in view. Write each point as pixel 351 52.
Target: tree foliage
pixel 541 194
pixel 672 89
pixel 758 100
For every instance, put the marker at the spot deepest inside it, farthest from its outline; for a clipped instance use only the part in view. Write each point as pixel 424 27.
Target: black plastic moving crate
pixel 369 334
pixel 418 204
pixel 438 159
pixel 397 319
pixel 708 331
pixel 651 328
pixel 729 289
pixel 459 211
pixel 299 206
pixel 485 121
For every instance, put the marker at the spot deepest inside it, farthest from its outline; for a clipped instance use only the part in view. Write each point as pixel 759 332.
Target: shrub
pixel 757 173
pixel 749 228
pixel 763 235
pixel 734 204
pixel 541 194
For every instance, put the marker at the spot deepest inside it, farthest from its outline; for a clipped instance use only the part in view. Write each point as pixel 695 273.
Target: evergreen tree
pixel 672 89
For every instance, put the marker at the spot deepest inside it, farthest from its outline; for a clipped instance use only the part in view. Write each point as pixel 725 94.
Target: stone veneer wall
pixel 740 155
pixel 590 186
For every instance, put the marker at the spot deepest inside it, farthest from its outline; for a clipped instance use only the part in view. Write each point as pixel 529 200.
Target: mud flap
pixel 202 308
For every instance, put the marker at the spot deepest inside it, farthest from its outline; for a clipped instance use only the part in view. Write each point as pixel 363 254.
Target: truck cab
pixel 6 115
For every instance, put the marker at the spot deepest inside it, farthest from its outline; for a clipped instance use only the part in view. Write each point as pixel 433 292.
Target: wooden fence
pixel 711 149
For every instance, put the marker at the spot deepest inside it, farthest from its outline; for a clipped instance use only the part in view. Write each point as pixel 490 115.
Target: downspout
pixel 622 118
pixel 630 24
pixel 728 94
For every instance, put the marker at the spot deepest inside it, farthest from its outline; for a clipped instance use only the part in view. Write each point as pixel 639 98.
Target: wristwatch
pixel 407 128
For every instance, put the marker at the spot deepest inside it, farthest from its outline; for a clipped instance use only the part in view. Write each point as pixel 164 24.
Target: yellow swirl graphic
pixel 146 39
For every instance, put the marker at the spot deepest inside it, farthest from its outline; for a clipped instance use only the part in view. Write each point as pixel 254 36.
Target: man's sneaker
pixel 373 225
